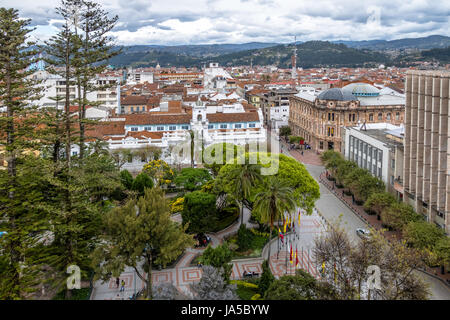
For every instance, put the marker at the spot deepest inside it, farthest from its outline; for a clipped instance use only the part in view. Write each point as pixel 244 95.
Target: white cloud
pixel 233 21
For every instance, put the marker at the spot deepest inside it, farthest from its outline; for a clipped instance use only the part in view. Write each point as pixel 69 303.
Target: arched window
pixel 380 116
pixel 388 116
pixel 371 117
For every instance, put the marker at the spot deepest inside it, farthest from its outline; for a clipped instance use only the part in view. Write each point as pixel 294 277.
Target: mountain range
pixel 310 54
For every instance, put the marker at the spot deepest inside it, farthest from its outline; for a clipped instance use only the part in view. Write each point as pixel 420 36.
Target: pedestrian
pixel 302 152
pixel 122 288
pixel 117 282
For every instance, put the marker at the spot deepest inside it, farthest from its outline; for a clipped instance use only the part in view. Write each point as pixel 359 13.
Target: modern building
pixel 426 159
pixel 319 119
pixel 275 107
pixel 377 147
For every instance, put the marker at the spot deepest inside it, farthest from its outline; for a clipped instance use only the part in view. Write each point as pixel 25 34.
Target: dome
pixel 336 94
pixel 360 89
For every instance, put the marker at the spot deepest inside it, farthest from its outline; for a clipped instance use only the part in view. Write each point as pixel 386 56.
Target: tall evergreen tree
pixel 17 93
pixel 140 235
pixel 94 49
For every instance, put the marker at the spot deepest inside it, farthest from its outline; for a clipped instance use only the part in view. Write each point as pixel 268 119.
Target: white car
pixel 363 233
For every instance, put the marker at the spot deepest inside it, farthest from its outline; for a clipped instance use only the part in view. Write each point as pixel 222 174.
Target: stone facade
pixel 320 121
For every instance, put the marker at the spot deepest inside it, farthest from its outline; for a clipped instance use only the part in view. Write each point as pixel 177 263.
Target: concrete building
pixel 320 118
pixel 426 158
pixel 275 107
pixel 377 147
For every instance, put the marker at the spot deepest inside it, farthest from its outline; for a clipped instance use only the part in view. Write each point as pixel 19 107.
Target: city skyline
pixel 176 22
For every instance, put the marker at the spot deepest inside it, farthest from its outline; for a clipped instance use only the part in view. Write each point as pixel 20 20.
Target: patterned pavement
pixel 182 275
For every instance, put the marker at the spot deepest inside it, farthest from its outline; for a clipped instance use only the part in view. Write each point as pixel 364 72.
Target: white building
pixel 371 148
pixel 55 86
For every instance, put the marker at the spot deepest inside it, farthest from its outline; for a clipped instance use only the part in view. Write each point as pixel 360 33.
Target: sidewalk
pixel 373 222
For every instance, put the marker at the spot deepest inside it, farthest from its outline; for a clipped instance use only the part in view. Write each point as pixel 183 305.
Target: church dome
pixel 336 94
pixel 360 89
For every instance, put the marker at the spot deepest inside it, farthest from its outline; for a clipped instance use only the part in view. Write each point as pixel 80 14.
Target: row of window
pixel 186 127
pixel 357 146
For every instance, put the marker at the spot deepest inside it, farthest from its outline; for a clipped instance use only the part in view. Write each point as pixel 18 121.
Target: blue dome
pixel 361 89
pixel 336 94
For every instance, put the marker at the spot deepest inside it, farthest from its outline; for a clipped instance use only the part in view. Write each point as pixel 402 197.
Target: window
pixel 160 128
pixel 321 145
pixel 74 153
pixel 379 172
pixel 251 125
pixel 380 155
pixel 237 125
pixel 380 116
pixel 172 127
pixel 132 109
pixel 353 117
pixel 371 117
pixel 392 180
pixel 184 127
pixel 393 163
pixel 223 126
pixel 148 128
pixel 134 128
pixel 210 126
pixel 397 116
pixel 349 117
pixel 388 116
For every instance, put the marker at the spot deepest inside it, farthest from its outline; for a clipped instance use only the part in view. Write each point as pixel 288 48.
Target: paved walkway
pixel 182 275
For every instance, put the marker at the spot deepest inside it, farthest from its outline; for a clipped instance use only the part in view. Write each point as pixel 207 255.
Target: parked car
pixel 250 274
pixel 363 233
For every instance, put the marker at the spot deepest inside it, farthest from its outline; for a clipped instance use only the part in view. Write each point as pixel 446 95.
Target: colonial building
pixel 426 172
pixel 168 126
pixel 320 118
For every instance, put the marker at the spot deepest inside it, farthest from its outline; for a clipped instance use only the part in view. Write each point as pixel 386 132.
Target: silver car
pixel 363 233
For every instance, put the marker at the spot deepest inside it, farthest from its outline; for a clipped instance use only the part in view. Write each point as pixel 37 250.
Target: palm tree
pixel 276 199
pixel 99 147
pixel 246 176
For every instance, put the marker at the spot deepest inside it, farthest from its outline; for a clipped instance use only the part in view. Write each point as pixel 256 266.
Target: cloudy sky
pixel 174 22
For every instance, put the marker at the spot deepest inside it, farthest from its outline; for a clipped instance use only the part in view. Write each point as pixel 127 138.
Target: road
pixel 332 209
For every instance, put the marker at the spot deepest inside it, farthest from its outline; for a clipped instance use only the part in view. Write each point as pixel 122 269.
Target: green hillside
pixel 310 54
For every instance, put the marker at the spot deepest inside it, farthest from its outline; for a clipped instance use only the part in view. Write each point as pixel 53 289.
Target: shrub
pixel 199 211
pixel 244 238
pixel 256 297
pixel 142 182
pixel 126 178
pixel 266 278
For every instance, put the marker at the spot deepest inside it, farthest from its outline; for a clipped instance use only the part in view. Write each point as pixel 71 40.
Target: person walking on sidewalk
pixel 122 287
pixel 117 282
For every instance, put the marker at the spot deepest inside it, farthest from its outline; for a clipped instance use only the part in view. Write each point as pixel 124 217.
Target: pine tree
pixel 94 49
pixel 17 92
pixel 140 235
